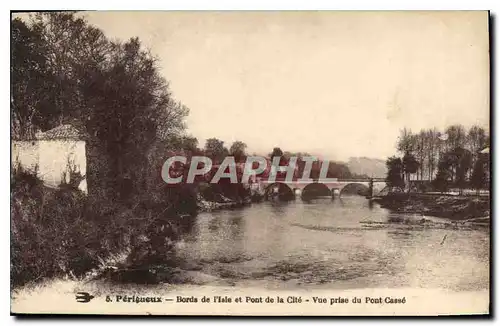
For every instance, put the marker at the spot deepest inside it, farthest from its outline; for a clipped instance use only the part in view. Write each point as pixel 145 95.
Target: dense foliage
pixel 450 159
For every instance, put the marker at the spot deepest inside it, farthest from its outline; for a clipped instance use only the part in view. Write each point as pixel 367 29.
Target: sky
pixel 338 84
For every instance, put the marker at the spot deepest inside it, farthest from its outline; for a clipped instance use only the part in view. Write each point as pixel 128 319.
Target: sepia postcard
pixel 250 163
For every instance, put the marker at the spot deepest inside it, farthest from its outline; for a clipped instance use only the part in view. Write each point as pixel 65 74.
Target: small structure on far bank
pixel 56 155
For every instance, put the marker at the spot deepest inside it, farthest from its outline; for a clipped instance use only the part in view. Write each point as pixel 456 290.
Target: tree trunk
pixel 408 182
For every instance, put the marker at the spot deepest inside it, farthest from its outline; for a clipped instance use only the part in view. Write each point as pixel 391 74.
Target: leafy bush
pixel 61 232
pixel 71 177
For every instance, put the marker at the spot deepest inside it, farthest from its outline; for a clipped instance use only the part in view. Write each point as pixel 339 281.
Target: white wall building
pixel 53 153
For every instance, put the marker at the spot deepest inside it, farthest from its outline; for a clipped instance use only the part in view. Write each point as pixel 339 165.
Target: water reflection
pixel 346 242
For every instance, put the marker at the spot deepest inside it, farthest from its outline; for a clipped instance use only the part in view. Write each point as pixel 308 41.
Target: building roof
pixel 62 132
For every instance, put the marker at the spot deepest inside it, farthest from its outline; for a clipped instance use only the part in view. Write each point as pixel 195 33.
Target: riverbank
pixel 299 249
pixel 451 207
pixel 204 205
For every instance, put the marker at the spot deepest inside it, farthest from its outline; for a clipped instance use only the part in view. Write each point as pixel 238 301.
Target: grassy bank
pixel 451 207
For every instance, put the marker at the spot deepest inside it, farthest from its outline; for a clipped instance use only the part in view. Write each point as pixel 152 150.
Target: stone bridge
pixel 335 186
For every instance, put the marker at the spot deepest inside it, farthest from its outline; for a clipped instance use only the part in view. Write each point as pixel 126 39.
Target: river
pixel 297 250
pixel 345 243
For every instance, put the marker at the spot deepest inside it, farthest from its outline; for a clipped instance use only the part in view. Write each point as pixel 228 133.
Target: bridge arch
pixel 315 189
pixel 355 188
pixel 281 189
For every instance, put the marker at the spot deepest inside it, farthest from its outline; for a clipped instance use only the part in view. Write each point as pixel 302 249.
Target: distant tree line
pixel 218 151
pixel 453 158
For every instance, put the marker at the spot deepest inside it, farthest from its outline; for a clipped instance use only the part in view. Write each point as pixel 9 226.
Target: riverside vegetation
pixel 435 167
pixel 66 71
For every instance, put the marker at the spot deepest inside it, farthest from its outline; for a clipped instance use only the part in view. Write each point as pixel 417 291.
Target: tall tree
pixel 456 137
pixel 410 166
pixel 182 142
pixel 463 165
pixel 394 176
pixel 214 148
pixel 420 152
pixel 238 150
pixel 74 49
pixel 276 152
pixel 406 141
pixel 478 179
pixel 32 106
pixel 189 143
pixel 476 141
pixel 442 180
pixel 433 149
pixel 131 107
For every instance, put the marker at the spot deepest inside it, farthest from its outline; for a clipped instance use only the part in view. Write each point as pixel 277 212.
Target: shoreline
pixel 453 208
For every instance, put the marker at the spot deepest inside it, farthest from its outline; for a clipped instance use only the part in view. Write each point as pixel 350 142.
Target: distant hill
pixel 372 167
